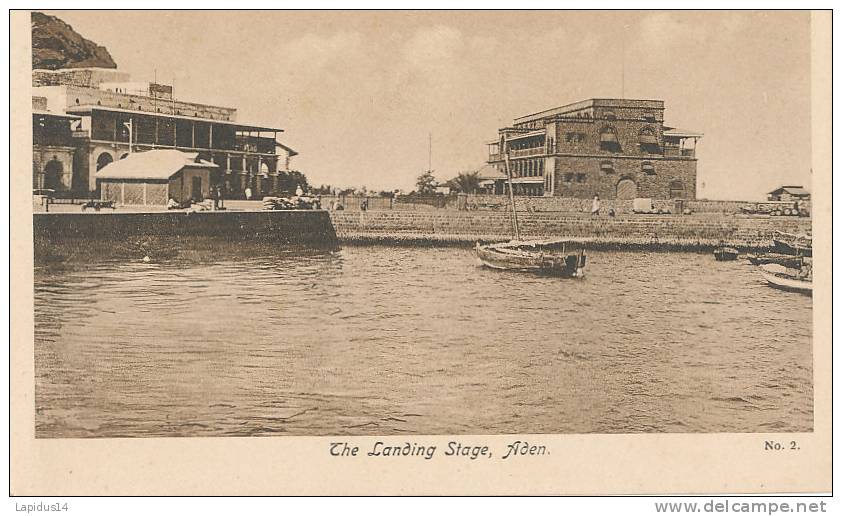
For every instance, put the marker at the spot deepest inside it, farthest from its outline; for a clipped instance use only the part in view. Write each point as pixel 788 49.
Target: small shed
pixel 154 177
pixel 789 193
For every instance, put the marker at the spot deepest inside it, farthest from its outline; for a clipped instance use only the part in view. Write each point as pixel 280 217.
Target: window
pixel 648 117
pixel 575 137
pixel 607 167
pixel 648 140
pixel 581 178
pixel 568 178
pixel 609 115
pixel 647 168
pixel 608 139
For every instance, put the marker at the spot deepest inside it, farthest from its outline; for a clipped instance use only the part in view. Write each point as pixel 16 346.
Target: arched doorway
pixel 626 189
pixel 52 175
pixel 676 189
pixel 103 159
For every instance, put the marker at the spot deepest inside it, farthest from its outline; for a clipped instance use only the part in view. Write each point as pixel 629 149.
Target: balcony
pixel 534 151
pixel 676 151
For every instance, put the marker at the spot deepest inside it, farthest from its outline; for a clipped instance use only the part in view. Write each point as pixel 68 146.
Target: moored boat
pixel 786 260
pixel 536 256
pixel 725 254
pixel 787 243
pixel 780 277
pixel 530 256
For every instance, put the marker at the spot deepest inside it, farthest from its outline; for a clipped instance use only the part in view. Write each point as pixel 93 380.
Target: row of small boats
pixel 788 265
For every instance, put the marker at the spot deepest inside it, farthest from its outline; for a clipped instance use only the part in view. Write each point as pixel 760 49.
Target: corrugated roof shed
pixel 792 190
pixel 153 164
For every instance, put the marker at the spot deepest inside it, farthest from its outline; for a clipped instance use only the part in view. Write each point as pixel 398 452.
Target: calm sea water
pixel 234 339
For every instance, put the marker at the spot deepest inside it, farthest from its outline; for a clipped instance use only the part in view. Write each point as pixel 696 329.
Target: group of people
pixel 299 192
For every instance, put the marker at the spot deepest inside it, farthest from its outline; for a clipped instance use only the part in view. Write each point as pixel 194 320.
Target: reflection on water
pixel 254 339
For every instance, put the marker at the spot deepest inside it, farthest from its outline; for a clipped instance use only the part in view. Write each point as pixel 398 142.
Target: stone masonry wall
pixel 661 231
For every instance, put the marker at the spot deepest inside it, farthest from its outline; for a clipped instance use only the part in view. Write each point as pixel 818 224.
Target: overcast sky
pixel 358 93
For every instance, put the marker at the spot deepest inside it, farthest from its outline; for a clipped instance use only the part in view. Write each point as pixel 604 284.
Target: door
pixel 52 175
pixel 196 189
pixel 626 189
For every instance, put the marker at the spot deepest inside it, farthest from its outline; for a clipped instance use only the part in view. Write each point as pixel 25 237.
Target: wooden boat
pixel 786 260
pixel 780 277
pixel 725 254
pixel 787 243
pixel 535 256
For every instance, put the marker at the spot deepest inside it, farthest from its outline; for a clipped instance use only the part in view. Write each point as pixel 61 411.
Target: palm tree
pixel 466 182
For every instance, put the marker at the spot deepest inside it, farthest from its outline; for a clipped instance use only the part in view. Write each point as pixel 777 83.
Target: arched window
pixel 103 159
pixel 608 140
pixel 647 168
pixel 609 115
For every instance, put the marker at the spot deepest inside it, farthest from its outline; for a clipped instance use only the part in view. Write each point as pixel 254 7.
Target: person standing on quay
pixel 595 205
pixel 248 193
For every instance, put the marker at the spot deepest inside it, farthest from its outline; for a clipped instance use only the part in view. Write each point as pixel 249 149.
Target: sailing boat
pixel 542 257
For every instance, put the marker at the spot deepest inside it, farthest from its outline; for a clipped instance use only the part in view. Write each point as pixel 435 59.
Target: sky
pixel 359 93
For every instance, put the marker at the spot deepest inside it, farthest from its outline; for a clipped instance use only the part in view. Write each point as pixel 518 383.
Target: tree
pixel 426 183
pixel 465 182
pixel 289 181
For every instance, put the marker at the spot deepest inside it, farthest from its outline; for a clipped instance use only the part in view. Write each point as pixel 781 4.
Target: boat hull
pixel 777 277
pixel 530 257
pixel 725 254
pixel 786 260
pixel 786 243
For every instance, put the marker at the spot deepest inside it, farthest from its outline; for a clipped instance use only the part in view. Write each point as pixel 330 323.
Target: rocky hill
pixel 56 45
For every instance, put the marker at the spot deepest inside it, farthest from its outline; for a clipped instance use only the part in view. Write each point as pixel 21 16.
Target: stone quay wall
pixel 309 227
pixel 573 205
pixel 676 232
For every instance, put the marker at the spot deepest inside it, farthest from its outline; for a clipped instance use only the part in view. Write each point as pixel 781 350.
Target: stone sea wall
pixel 296 226
pixel 442 227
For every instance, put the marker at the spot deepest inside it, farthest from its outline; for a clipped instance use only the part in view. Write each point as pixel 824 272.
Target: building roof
pixel 489 172
pixel 38 112
pixel 583 104
pixel 681 133
pixel 87 110
pixel 153 164
pixel 792 190
pixel 290 150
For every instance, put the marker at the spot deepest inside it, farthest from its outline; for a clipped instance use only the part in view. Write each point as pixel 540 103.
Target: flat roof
pixel 84 110
pixel 582 104
pixel 56 115
pixel 681 133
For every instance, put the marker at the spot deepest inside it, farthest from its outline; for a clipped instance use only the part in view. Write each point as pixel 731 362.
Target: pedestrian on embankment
pixel 595 205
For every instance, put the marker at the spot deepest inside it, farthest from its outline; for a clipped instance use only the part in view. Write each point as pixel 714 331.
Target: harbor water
pixel 245 339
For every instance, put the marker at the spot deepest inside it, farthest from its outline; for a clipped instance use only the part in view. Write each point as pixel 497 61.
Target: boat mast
pixel 505 150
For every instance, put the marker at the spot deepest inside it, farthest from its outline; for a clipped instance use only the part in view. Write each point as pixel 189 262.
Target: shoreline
pixel 434 228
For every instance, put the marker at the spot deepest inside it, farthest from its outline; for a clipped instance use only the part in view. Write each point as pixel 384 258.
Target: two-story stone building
pixel 614 148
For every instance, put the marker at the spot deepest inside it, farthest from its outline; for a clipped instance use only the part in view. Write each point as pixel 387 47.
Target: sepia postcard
pixel 420 252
